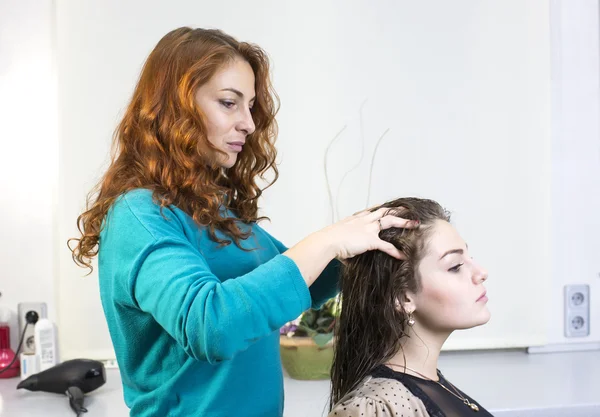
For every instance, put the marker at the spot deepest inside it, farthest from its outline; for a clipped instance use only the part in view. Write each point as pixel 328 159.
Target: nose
pixel 480 275
pixel 246 123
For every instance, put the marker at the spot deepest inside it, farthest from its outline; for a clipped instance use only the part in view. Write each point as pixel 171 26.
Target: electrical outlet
pixel 577 310
pixel 22 309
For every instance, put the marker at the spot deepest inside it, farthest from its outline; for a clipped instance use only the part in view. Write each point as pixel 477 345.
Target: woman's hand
pixel 347 238
pixel 360 233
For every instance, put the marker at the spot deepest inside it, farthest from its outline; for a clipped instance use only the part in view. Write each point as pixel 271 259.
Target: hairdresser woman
pixel 193 289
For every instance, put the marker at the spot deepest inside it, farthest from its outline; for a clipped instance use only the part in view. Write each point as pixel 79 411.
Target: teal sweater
pixel 195 326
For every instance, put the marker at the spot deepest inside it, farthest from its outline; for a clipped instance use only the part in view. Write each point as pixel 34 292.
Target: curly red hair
pixel 161 142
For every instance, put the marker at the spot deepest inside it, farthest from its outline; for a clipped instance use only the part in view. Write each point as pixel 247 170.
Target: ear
pixel 406 302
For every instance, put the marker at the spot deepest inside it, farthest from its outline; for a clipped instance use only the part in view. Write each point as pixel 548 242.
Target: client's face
pixel 452 290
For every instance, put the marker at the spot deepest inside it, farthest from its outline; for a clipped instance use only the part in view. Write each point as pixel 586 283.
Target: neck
pixel 420 352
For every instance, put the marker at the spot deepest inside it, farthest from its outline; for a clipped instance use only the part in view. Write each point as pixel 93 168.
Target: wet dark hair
pixel 371 324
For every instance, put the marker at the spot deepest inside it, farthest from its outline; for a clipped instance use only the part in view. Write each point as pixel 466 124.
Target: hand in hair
pixel 345 239
pixel 360 233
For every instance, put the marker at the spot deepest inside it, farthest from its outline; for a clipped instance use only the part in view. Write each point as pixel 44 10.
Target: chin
pixel 476 320
pixel 231 160
pixel 483 317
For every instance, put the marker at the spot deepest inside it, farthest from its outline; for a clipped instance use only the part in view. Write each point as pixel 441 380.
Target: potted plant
pixel 306 344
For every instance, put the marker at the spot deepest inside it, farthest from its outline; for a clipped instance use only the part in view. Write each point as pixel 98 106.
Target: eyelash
pixel 230 104
pixel 227 104
pixel 456 268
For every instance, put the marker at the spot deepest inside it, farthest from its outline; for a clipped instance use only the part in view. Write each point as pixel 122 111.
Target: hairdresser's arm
pixel 326 286
pixel 210 319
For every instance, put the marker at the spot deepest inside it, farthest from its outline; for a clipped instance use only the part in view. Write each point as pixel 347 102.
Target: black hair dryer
pixel 73 378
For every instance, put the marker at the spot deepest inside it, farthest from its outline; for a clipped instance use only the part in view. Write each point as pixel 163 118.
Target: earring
pixel 411 320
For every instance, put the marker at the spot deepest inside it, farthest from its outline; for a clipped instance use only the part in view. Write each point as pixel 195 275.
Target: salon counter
pixel 508 384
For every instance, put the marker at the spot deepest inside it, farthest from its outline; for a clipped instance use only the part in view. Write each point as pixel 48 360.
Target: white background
pixel 492 109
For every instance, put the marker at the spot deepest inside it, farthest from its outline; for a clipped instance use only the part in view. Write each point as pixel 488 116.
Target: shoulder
pixel 379 397
pixel 135 201
pixel 136 212
pixel 139 201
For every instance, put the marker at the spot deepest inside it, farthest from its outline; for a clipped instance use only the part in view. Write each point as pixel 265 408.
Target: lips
pixel 236 146
pixel 482 297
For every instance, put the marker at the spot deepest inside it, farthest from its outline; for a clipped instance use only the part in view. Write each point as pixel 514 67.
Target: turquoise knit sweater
pixel 194 325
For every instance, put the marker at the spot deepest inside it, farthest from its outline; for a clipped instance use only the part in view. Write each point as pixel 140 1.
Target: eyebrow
pixel 452 251
pixel 237 92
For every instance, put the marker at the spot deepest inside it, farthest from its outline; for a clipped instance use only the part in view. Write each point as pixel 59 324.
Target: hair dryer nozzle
pixel 29 383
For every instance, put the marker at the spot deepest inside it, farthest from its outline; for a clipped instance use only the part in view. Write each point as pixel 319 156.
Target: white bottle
pixel 45 344
pixel 30 364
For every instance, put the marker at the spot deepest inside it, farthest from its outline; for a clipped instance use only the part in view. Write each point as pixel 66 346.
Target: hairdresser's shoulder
pixel 137 208
pixel 138 199
pixel 379 397
pixel 137 202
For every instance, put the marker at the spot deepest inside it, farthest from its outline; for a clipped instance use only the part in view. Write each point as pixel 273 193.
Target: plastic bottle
pixel 45 344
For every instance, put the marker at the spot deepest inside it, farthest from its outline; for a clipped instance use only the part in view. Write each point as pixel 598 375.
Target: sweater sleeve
pixel 326 286
pixel 212 320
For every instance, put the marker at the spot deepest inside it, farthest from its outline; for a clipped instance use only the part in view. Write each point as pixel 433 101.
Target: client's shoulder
pixel 379 397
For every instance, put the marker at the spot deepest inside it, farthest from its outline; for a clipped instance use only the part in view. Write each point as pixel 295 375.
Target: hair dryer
pixel 73 378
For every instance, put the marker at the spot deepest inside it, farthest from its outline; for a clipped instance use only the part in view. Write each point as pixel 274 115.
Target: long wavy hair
pixel 161 142
pixel 372 324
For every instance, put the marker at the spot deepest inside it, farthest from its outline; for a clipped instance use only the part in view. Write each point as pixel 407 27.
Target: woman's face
pixel 226 102
pixel 452 294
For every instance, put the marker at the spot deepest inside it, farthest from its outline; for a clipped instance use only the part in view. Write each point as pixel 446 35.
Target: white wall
pixel 575 159
pixel 28 156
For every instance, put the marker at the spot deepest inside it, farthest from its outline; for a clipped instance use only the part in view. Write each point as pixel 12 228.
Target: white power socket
pixel 22 310
pixel 577 310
